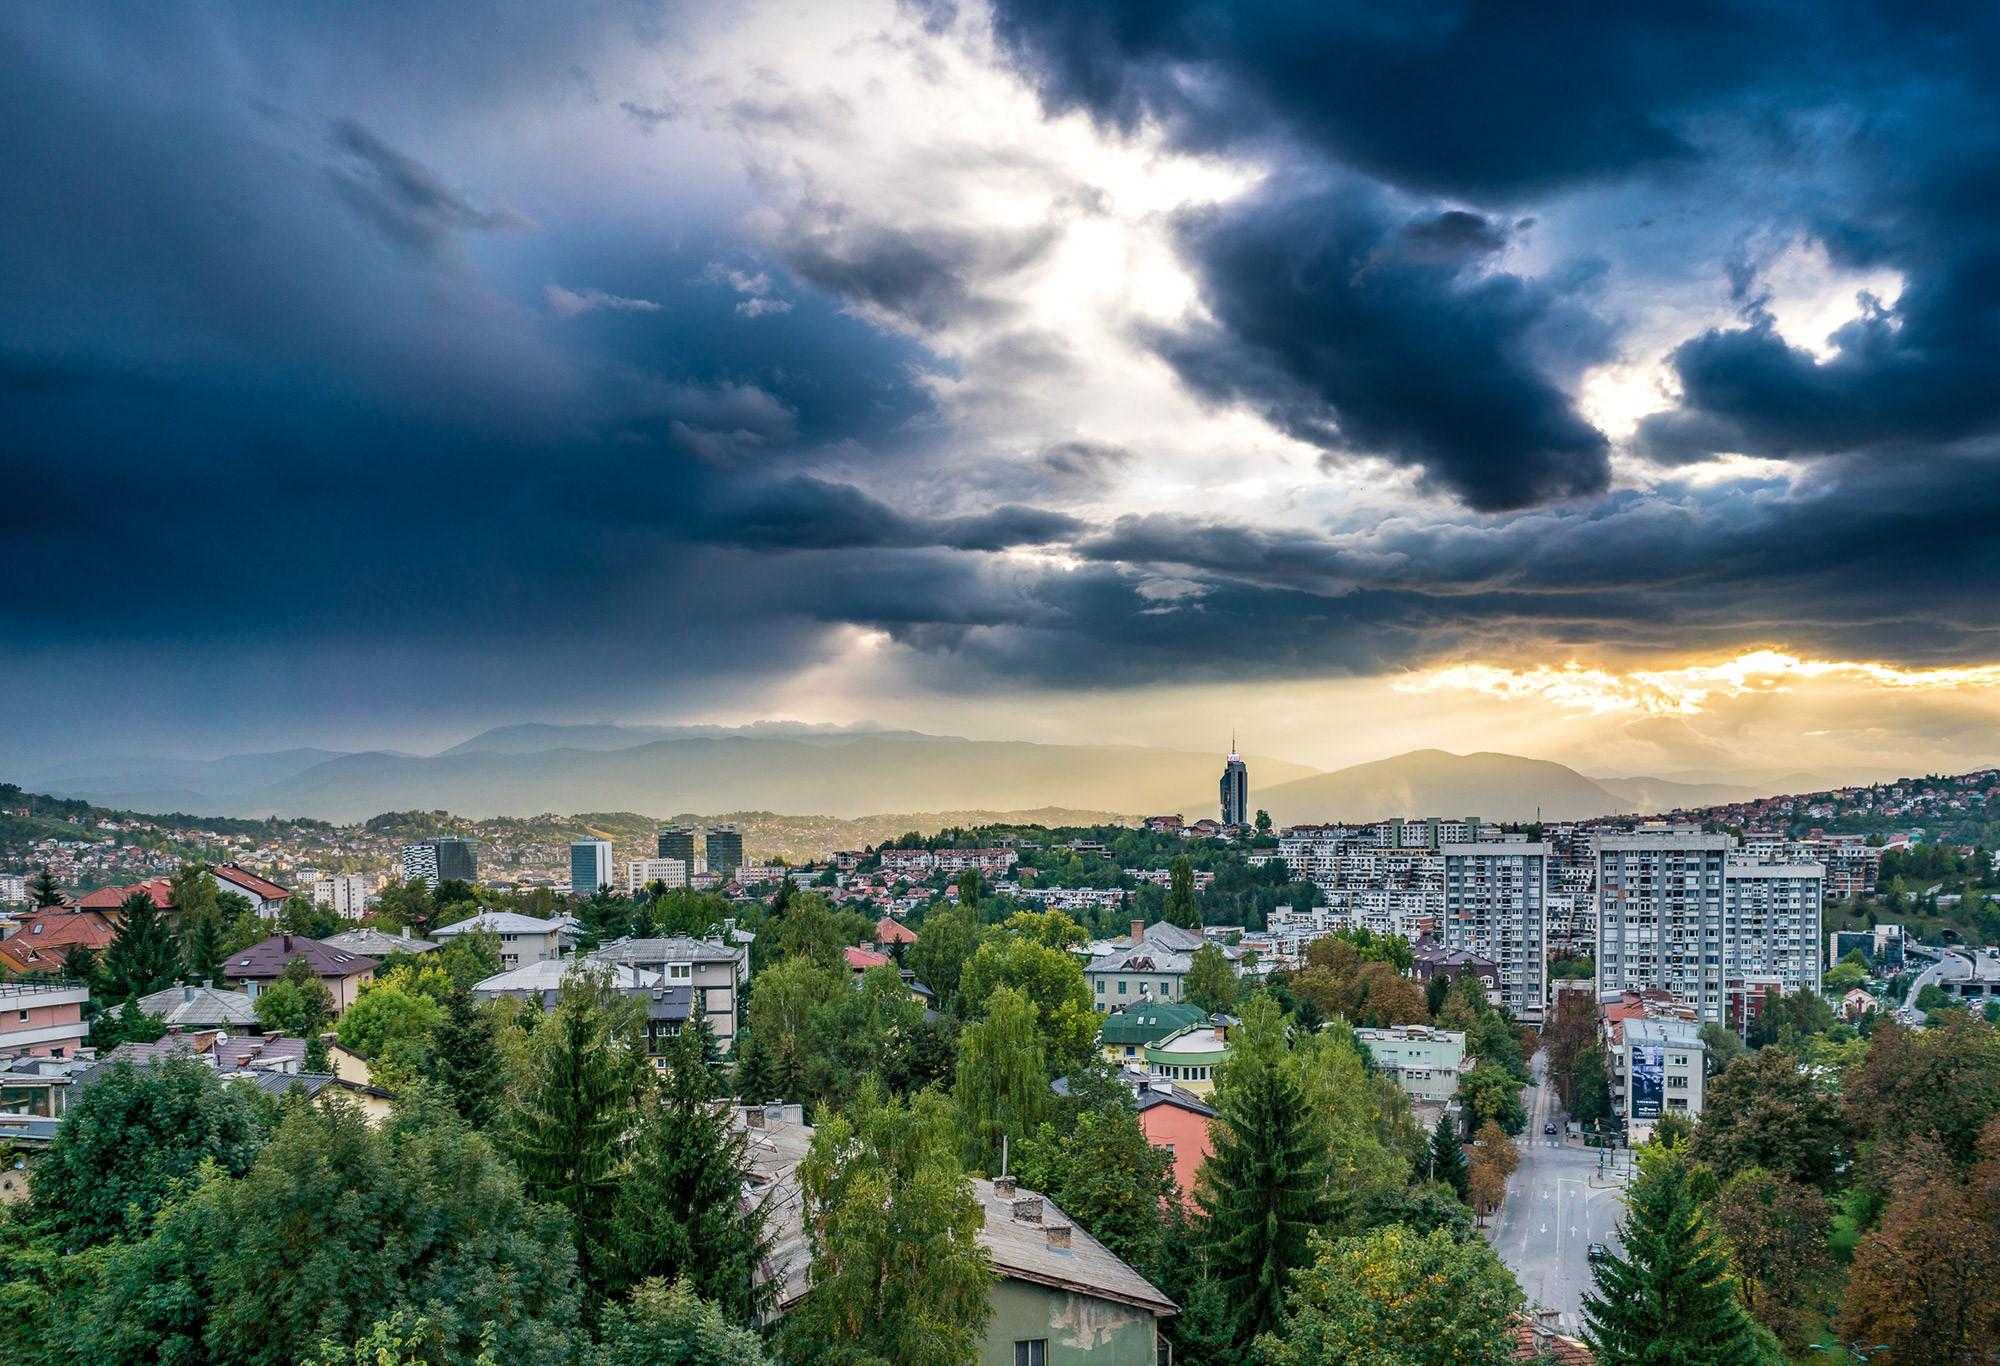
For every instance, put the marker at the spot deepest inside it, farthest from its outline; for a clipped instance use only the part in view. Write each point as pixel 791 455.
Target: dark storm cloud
pixel 1363 333
pixel 405 198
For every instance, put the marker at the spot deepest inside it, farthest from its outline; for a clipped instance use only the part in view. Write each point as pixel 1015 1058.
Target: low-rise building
pixel 1425 1062
pixel 1191 1056
pixel 1127 1031
pixel 202 1007
pixel 256 968
pixel 715 974
pixel 44 1019
pixel 1176 1120
pixel 1151 963
pixel 523 938
pixel 43 940
pixel 1059 1297
pixel 1656 1069
pixel 366 939
pixel 266 897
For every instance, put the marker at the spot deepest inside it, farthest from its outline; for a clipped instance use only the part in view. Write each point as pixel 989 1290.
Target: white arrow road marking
pixel 1545 1228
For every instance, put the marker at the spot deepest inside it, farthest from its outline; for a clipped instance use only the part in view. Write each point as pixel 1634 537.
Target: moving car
pixel 1549 1128
pixel 1596 1250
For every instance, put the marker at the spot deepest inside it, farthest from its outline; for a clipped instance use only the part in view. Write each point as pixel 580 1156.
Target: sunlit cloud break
pixel 1686 691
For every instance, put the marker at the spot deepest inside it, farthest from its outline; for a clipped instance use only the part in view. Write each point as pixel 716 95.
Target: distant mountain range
pixel 522 770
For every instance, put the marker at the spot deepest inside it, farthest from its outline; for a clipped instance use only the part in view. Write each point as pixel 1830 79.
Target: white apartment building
pixel 345 894
pixel 713 972
pixel 1669 917
pixel 1495 906
pixel 13 889
pixel 523 938
pixel 641 873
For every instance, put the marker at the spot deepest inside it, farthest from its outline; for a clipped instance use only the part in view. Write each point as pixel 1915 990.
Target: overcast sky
pixel 1610 383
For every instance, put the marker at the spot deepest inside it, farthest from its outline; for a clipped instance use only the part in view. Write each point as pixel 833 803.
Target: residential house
pixel 42 1019
pixel 1431 959
pixel 266 898
pixel 366 939
pixel 540 982
pixel 1856 1003
pixel 715 973
pixel 1060 1298
pixel 1173 1117
pixel 259 966
pixel 46 938
pixel 1151 963
pixel 889 932
pixel 202 1007
pixel 159 890
pixel 524 939
pixel 273 1065
pixel 1425 1062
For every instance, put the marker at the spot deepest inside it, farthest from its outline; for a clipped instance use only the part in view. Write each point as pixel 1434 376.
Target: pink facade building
pixel 42 1020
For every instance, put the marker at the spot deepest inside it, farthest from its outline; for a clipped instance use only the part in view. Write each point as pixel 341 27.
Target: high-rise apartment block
pixel 448 859
pixel 345 894
pixel 590 866
pixel 1496 907
pixel 725 849
pixel 1235 789
pixel 1681 911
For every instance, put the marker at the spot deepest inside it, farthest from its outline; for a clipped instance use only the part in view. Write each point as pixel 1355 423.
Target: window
pixel 1031 1352
pixel 24 1017
pixel 1121 986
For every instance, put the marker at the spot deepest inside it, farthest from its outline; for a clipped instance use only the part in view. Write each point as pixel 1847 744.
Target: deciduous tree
pixel 671 1325
pixel 1776 1231
pixel 1211 980
pixel 1766 1111
pixel 1002 1085
pixel 1922 1281
pixel 1181 907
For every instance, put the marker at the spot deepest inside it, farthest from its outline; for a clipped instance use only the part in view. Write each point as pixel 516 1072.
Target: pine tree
pixel 1448 1158
pixel 1181 908
pixel 1669 1298
pixel 1264 1182
pixel 204 947
pixel 572 1122
pixel 464 1061
pixel 677 1214
pixel 44 890
pixel 142 956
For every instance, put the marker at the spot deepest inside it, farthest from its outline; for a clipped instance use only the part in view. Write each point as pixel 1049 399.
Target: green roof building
pixel 1127 1032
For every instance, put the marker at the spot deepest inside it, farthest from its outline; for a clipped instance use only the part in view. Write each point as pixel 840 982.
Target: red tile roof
pixel 110 898
pixel 863 959
pixel 1535 1343
pixel 249 882
pixel 46 938
pixel 892 931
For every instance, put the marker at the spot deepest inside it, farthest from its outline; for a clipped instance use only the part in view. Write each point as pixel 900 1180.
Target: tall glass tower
pixel 1235 789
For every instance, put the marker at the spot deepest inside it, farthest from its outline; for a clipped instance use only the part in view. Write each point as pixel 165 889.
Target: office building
pixel 677 842
pixel 725 850
pixel 1495 907
pixel 449 859
pixel 1235 789
pixel 641 873
pixel 1680 911
pixel 590 866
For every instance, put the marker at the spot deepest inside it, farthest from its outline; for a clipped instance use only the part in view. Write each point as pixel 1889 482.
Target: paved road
pixel 1557 1205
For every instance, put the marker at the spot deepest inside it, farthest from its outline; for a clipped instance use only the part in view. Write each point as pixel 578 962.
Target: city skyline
pixel 982 370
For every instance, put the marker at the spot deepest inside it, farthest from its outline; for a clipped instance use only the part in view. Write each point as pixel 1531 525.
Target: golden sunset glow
pixel 1687 691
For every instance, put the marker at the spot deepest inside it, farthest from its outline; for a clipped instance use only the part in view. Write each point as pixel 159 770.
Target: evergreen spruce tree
pixel 464 1061
pixel 1182 909
pixel 1669 1298
pixel 572 1123
pixel 142 956
pixel 1448 1158
pixel 204 947
pixel 45 890
pixel 678 1212
pixel 1264 1182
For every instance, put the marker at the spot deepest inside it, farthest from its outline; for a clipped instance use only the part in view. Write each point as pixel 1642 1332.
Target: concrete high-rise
pixel 1680 911
pixel 1235 789
pixel 1495 906
pixel 590 867
pixel 725 849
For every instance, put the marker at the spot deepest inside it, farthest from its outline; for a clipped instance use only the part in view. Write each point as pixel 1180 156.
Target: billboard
pixel 1649 1081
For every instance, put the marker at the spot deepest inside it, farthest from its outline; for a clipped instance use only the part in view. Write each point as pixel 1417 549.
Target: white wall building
pixel 1657 1068
pixel 523 938
pixel 1495 906
pixel 642 872
pixel 345 894
pixel 1425 1062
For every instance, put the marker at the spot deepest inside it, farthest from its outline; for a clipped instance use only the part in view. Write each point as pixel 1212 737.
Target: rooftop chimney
pixel 1028 1209
pixel 753 1116
pixel 406 931
pixel 288 943
pixel 1138 933
pixel 1058 1235
pixel 187 992
pixel 1004 1187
